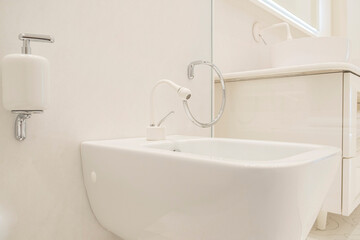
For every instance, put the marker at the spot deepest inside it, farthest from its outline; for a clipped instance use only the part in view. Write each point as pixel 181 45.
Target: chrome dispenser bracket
pixel 20 122
pixel 27 37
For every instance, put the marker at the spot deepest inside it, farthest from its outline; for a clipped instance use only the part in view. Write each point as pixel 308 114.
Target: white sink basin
pixel 207 189
pixel 310 50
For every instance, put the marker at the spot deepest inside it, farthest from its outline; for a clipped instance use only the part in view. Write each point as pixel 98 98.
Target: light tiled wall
pixel 106 57
pixel 353 21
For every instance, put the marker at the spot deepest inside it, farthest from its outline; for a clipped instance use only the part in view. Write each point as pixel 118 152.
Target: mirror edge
pixel 294 21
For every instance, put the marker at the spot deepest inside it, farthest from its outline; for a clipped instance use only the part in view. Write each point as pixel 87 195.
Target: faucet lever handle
pixel 164 118
pixel 36 37
pixel 27 37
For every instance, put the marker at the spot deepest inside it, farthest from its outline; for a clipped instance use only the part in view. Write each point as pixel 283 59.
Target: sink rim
pixel 141 145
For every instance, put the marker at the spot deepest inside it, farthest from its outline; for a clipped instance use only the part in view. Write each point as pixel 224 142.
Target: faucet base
pixel 155 133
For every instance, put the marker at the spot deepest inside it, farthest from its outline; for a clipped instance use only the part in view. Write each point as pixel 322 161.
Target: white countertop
pixel 310 69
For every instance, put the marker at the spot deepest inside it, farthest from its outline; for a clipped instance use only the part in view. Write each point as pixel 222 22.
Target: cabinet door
pixel 351 184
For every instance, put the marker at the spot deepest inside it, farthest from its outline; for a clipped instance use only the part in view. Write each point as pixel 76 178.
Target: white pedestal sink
pixel 207 188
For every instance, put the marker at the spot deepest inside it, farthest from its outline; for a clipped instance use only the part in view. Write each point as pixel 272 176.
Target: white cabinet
pixel 319 107
pixel 351 114
pixel 351 142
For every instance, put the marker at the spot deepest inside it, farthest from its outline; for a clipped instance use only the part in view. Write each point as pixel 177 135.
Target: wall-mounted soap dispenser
pixel 25 82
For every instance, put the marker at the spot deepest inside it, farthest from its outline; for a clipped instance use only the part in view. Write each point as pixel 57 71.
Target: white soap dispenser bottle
pixel 25 77
pixel 25 82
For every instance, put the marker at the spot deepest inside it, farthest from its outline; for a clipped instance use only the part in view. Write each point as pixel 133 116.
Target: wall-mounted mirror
pixel 310 16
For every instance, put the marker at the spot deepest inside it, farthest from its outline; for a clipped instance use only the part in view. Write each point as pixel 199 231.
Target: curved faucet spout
pixel 182 92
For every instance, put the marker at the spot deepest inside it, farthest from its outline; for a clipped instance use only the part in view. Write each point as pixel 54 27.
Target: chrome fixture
pixel 27 37
pixel 20 123
pixel 190 70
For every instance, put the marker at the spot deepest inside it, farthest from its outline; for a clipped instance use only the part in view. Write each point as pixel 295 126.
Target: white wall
pixel 107 56
pixel 345 23
pixel 353 22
